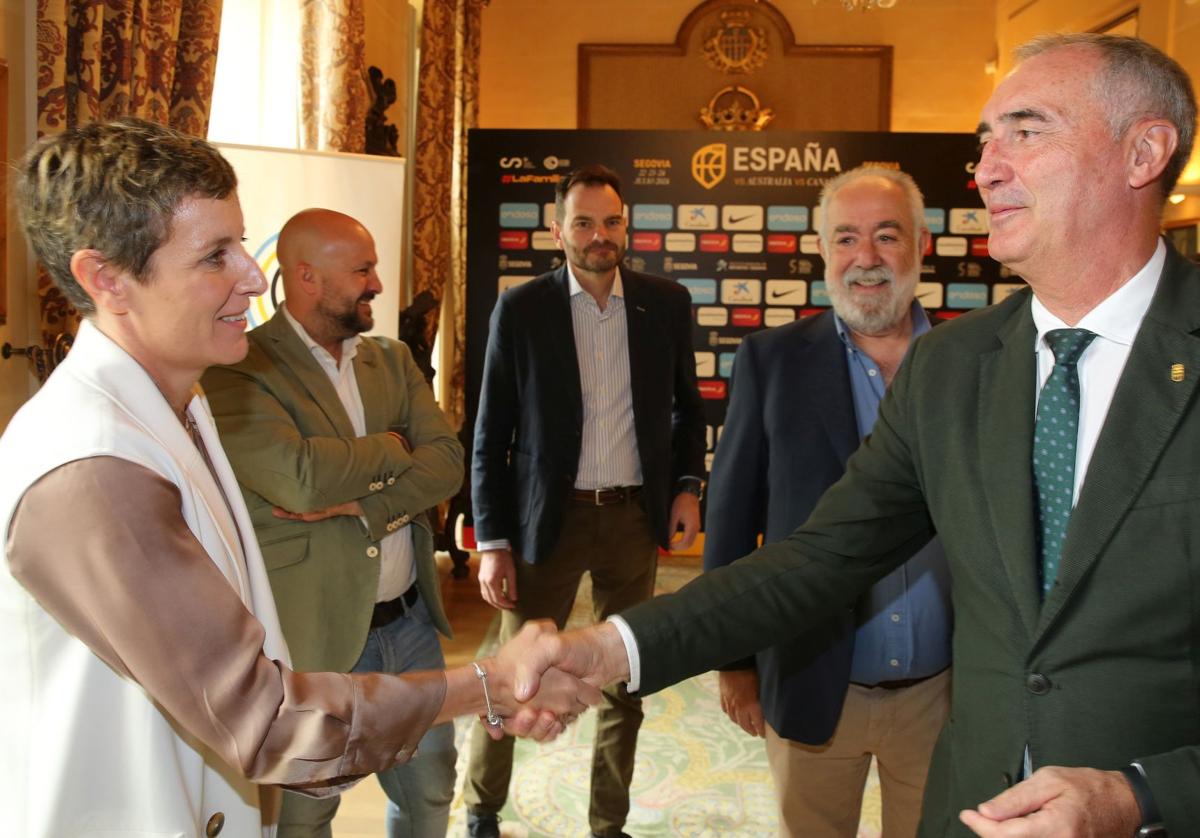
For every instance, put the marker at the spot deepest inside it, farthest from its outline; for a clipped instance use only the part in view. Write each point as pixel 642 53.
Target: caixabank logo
pixel 709 164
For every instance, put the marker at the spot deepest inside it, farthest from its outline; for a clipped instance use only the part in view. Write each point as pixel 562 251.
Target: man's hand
pixel 550 700
pixel 685 511
pixel 739 700
pixel 1057 802
pixel 498 578
pixel 350 507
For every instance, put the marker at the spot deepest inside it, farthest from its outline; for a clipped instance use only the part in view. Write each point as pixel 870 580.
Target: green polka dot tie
pixel 1054 436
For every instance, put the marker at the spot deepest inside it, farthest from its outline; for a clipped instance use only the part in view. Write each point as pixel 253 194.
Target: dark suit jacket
pixel 530 422
pixel 789 430
pixel 292 445
pixel 1107 670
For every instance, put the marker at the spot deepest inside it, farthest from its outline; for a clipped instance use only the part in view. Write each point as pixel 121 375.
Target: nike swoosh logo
pixel 741 218
pixel 929 293
pixel 775 295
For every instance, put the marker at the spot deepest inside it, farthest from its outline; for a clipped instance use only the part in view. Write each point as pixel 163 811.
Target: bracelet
pixel 480 673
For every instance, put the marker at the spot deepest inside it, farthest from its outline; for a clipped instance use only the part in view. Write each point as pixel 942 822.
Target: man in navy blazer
pixel 589 446
pixel 872 679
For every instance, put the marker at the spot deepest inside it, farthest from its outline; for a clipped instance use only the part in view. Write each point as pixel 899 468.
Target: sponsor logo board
pixel 703 291
pixel 782 243
pixel 979 248
pixel 818 294
pixel 789 218
pixel 697 216
pixel 715 390
pixel 514 240
pixel 519 215
pixel 1003 290
pixel 725 364
pixel 714 242
pixel 950 246
pixel 810 244
pixel 930 294
pixel 747 243
pixel 971 222
pixel 510 281
pixel 778 316
pixel 680 242
pixel 712 316
pixel 653 216
pixel 741 217
pixel 745 291
pixel 747 318
pixel 966 295
pixel 647 241
pixel 543 240
pixel 706 364
pixel 786 292
pixel 935 220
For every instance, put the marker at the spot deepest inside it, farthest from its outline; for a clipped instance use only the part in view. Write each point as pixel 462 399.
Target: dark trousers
pixel 616 545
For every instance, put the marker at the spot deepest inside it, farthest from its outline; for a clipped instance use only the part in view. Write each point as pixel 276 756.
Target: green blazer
pixel 1107 670
pixel 292 445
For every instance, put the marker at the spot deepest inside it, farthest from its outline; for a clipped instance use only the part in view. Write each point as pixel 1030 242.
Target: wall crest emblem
pixel 736 46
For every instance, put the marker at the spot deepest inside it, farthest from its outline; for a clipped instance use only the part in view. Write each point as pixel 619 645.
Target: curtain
pixel 447 107
pixel 334 97
pixel 100 59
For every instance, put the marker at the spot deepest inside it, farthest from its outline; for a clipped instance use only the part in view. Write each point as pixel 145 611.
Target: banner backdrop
pixel 276 183
pixel 732 217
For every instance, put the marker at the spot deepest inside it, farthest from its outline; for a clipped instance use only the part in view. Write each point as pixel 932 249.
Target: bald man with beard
pixel 307 418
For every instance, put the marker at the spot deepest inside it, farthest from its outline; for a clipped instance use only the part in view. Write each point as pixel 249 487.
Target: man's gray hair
pixel 916 200
pixel 1139 81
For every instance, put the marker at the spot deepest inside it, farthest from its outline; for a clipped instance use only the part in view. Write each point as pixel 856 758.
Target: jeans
pixel 420 791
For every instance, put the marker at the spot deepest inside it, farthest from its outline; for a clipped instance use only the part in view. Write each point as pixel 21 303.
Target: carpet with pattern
pixel 696 773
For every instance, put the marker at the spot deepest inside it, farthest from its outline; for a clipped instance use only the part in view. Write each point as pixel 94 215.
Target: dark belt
pixel 385 612
pixel 606 497
pixel 900 683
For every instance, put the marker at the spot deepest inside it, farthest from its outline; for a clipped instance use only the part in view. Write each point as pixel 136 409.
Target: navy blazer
pixel 789 430
pixel 530 422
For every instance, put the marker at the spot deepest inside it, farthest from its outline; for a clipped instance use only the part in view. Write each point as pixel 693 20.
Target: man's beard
pixel 348 322
pixel 598 257
pixel 868 316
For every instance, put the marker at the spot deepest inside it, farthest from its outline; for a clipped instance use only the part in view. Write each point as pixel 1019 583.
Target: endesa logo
pixel 519 215
pixel 647 241
pixel 714 390
pixel 714 242
pixel 750 318
pixel 514 240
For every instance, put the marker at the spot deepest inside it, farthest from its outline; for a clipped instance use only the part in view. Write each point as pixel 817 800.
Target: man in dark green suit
pixel 340 448
pixel 1077 670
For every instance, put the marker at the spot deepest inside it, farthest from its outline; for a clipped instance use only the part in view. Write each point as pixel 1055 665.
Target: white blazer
pixel 84 751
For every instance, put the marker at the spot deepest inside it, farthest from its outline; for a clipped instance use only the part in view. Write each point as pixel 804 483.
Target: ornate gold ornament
pixel 736 46
pixel 735 108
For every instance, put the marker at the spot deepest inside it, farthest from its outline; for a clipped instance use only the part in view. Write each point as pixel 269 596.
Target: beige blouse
pixel 102 546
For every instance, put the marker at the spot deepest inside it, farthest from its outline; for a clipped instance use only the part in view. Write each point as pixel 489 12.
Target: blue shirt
pixel 904 621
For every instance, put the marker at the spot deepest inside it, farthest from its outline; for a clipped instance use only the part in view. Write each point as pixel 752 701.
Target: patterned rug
pixel 696 774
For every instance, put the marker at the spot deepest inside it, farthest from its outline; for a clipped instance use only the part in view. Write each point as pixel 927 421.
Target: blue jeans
pixel 420 791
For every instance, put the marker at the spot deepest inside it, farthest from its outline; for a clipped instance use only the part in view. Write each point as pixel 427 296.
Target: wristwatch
pixel 691 485
pixel 1152 825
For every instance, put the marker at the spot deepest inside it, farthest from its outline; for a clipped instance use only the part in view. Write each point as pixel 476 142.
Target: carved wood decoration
pixel 735 65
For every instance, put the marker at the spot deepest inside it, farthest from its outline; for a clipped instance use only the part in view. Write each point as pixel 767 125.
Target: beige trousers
pixel 820 787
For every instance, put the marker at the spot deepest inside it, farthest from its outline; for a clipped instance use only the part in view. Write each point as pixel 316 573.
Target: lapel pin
pixel 1177 373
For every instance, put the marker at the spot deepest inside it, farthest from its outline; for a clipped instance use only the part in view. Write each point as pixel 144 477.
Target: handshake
pixel 540 680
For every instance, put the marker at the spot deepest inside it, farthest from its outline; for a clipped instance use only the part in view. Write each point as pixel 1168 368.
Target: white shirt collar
pixel 349 345
pixel 1119 316
pixel 573 286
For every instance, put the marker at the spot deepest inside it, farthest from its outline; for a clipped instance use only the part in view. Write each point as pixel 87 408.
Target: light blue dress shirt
pixel 905 620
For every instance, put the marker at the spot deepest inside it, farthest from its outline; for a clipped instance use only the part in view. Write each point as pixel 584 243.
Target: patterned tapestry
pixel 447 107
pixel 334 95
pixel 100 59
